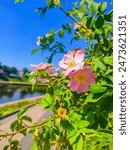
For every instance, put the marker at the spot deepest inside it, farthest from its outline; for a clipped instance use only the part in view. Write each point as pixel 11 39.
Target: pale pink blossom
pixel 40 66
pixel 38 41
pixel 51 71
pixel 77 26
pixel 44 80
pixel 72 61
pixel 81 79
pixel 47 70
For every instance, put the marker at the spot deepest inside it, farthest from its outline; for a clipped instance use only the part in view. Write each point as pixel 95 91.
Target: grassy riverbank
pixel 8 108
pixel 13 79
pixel 20 83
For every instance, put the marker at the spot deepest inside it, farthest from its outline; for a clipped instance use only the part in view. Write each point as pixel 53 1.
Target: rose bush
pixel 80 94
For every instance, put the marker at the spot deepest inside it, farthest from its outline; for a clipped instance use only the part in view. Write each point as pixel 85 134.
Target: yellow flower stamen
pixel 80 77
pixel 71 64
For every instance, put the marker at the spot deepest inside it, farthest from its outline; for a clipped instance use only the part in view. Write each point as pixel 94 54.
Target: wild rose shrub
pixel 80 95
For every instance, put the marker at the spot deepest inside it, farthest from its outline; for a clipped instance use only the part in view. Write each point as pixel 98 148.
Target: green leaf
pixel 90 22
pixel 73 138
pixel 103 122
pixel 46 101
pixel 43 11
pixel 93 6
pixel 35 50
pixel 21 112
pixel 102 7
pixel 57 2
pixel 106 43
pixel 80 14
pixel 27 118
pixel 100 64
pixel 46 140
pixel 16 1
pixel 99 22
pixel 108 17
pixel 61 33
pixel 85 130
pixel 97 88
pixel 15 142
pixel 75 116
pixel 6 147
pixel 78 145
pixel 50 33
pixel 71 133
pixel 83 7
pixel 109 71
pixel 67 28
pixel 50 3
pixel 14 124
pixel 82 124
pixel 108 60
pixel 56 130
pixel 93 98
pixel 34 146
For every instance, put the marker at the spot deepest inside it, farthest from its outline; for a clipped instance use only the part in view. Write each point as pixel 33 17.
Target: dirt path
pixel 35 112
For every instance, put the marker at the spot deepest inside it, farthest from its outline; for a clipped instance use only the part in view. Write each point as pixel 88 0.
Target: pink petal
pixel 62 65
pixel 68 71
pixel 79 66
pixel 91 79
pixel 69 57
pixel 79 56
pixel 82 88
pixel 73 85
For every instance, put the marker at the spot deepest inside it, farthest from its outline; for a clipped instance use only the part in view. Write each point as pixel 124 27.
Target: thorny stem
pixel 27 127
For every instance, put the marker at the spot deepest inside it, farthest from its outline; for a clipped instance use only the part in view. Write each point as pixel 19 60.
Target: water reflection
pixel 10 93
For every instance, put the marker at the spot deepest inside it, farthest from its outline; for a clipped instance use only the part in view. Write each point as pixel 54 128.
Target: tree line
pixel 11 70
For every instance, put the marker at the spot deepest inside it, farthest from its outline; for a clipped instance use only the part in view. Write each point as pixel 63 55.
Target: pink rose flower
pixel 77 26
pixel 72 61
pixel 47 69
pixel 81 79
pixel 40 66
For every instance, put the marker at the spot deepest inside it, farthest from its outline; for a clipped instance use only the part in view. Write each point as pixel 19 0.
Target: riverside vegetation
pixel 80 94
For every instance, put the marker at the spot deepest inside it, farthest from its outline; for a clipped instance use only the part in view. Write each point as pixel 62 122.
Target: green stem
pixel 27 127
pixel 74 19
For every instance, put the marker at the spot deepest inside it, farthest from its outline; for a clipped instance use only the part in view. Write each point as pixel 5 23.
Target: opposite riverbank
pixel 19 83
pixel 13 107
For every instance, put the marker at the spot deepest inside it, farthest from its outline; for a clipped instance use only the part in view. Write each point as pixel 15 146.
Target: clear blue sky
pixel 20 26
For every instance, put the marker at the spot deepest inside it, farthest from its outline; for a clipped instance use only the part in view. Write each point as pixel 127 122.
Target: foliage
pixel 80 119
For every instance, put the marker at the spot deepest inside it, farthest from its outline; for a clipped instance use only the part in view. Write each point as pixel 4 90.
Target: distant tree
pixel 14 70
pixel 9 70
pixel 25 70
pixel 6 69
pixel 0 65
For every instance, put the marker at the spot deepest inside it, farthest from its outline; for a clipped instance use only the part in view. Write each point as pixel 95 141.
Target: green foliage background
pixel 88 122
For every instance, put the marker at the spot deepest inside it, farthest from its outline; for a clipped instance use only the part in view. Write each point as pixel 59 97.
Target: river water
pixel 10 93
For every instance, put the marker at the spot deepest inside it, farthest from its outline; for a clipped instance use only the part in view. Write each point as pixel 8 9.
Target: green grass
pixel 9 108
pixel 13 79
